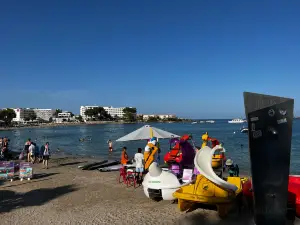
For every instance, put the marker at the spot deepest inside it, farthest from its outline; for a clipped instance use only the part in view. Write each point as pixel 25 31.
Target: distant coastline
pixel 46 125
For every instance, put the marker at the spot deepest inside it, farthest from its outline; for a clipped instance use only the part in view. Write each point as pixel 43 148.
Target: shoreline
pixel 73 124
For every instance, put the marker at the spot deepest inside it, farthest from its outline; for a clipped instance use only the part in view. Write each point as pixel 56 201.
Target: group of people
pixel 34 153
pixel 139 158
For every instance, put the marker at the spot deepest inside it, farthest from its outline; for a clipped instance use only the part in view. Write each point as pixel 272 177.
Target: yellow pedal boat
pixel 205 192
pixel 208 188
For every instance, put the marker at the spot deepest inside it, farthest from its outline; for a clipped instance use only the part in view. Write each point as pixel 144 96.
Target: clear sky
pixel 191 58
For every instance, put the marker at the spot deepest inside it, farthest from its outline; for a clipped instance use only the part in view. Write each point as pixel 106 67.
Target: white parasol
pixel 147 132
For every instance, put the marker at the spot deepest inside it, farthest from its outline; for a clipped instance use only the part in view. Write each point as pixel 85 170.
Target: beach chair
pixel 175 168
pixel 187 175
pixel 122 175
pixel 131 178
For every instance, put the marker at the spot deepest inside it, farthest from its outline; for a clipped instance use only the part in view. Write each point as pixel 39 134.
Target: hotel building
pixel 114 112
pixel 22 113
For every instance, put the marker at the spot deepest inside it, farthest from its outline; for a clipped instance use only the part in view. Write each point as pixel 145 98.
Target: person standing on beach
pixel 31 150
pixel 124 156
pixel 46 155
pixel 110 146
pixel 139 164
pixel 26 149
pixel 4 148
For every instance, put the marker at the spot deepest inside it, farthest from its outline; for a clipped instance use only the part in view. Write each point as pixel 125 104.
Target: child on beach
pixel 139 164
pixel 124 156
pixel 46 155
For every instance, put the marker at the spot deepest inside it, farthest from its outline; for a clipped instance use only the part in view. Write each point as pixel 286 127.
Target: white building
pixel 64 115
pixel 166 116
pixel 114 112
pixel 44 114
pixel 23 114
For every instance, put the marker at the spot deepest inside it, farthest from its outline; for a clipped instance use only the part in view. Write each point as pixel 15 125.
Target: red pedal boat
pixel 293 188
pixel 175 153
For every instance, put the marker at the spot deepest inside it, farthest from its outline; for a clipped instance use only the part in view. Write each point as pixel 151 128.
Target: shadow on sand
pixel 10 200
pixel 43 175
pixel 244 218
pixel 72 163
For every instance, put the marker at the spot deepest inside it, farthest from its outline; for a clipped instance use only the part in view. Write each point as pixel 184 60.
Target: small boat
pixel 210 121
pixel 244 130
pixel 194 122
pixel 202 121
pixel 209 189
pixel 237 121
pixel 86 166
pixel 160 184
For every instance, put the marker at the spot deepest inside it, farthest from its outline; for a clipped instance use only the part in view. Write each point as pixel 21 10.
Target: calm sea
pixel 67 139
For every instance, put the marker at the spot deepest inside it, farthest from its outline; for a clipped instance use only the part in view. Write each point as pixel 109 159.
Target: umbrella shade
pixel 145 133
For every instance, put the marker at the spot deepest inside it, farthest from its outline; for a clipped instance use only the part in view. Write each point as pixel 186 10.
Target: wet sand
pixel 64 194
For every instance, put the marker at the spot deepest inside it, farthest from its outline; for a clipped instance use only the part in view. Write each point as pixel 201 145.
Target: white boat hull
pixel 160 184
pixel 237 122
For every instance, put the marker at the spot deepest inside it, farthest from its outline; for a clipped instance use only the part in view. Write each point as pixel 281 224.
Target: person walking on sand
pixel 139 164
pixel 46 155
pixel 110 146
pixel 31 153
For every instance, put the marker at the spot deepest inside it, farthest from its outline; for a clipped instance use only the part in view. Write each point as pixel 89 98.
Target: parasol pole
pixel 151 132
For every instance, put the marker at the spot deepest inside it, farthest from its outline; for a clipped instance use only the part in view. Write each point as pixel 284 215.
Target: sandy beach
pixel 64 194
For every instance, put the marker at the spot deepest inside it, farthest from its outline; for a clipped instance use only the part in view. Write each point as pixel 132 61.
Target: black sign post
pixel 270 121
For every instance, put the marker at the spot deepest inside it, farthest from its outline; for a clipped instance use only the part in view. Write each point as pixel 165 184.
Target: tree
pixel 71 114
pixel 129 114
pixel 79 118
pixel 57 111
pixel 7 115
pixel 32 116
pixel 89 112
pixel 98 113
pixel 153 119
pixel 140 117
pixel 27 118
pixel 50 120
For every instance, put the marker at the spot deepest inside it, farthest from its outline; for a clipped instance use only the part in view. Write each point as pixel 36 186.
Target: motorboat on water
pixel 210 121
pixel 244 130
pixel 237 121
pixel 194 122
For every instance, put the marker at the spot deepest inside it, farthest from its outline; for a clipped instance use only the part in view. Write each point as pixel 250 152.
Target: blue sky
pixel 191 58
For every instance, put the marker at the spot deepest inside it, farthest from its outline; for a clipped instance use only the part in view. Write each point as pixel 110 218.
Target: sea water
pixel 64 140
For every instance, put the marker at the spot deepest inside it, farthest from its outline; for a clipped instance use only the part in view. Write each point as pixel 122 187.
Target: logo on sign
pixel 284 120
pixel 253 119
pixel 257 134
pixel 271 112
pixel 282 112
